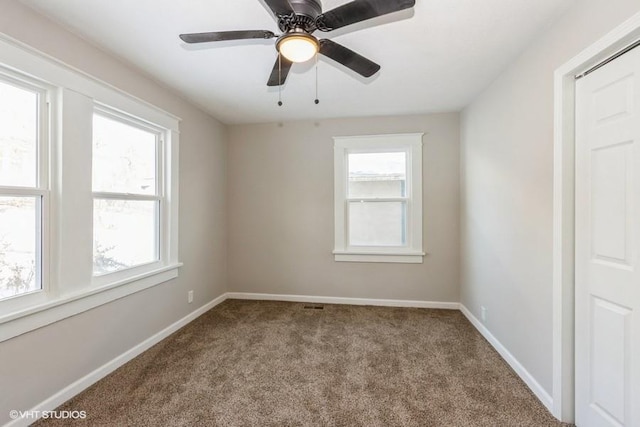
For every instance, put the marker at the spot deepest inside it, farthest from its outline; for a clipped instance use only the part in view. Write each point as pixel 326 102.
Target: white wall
pixel 40 363
pixel 507 176
pixel 281 211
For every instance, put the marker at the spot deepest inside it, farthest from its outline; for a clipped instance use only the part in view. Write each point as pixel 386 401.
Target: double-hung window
pixel 127 192
pixel 88 192
pixel 23 185
pixel 378 198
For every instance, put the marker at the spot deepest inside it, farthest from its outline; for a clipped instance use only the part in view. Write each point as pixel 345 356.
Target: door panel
pixel 614 101
pixel 610 203
pixel 607 245
pixel 609 368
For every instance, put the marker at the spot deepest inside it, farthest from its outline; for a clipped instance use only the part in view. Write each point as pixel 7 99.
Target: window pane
pixel 377 223
pixel 18 245
pixel 124 157
pixel 125 234
pixel 18 136
pixel 377 174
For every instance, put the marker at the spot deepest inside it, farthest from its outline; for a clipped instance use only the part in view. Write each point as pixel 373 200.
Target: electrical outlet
pixel 483 313
pixel 190 297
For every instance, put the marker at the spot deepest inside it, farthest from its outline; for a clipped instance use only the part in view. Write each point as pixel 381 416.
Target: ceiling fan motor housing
pixel 310 8
pixel 304 18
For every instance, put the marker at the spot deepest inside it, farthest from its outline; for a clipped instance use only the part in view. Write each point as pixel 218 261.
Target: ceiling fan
pixel 298 20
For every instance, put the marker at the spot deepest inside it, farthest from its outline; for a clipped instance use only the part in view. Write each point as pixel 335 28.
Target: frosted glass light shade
pixel 298 48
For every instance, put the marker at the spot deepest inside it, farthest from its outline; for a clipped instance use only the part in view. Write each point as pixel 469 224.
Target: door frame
pixel 563 209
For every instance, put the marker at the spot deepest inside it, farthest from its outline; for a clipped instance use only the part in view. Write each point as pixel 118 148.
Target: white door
pixel 608 245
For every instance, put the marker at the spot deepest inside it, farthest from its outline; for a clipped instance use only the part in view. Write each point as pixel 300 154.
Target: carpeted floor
pixel 258 363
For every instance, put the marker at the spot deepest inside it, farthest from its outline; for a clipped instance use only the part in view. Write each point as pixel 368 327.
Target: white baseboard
pixel 83 383
pixel 528 379
pixel 88 380
pixel 341 300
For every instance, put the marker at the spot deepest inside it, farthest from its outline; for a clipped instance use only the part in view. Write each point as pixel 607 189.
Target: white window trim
pixel 70 292
pixel 159 196
pixel 413 252
pixel 42 186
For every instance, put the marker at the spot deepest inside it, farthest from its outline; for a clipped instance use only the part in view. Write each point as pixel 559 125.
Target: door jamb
pixel 563 209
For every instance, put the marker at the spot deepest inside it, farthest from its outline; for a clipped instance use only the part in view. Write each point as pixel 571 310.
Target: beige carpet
pixel 256 363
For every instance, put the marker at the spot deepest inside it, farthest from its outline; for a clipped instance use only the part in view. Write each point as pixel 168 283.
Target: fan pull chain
pixel 279 79
pixel 317 101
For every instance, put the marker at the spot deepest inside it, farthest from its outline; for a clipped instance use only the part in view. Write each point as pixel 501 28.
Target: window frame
pixel 411 144
pixel 158 196
pixel 68 287
pixel 41 190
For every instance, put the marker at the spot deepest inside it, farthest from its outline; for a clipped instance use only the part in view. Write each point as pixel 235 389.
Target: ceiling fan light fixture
pixel 298 20
pixel 298 47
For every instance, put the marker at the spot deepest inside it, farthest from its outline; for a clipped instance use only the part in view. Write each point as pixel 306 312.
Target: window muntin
pixel 23 185
pixel 378 198
pixel 127 195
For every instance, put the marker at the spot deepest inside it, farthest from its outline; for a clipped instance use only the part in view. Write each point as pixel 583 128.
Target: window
pixel 88 192
pixel 23 185
pixel 127 193
pixel 378 198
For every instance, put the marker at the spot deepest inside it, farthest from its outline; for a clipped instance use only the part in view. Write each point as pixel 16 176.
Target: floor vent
pixel 314 307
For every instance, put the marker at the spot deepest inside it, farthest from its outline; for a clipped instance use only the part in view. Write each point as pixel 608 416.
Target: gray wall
pixel 76 346
pixel 281 211
pixel 276 189
pixel 507 164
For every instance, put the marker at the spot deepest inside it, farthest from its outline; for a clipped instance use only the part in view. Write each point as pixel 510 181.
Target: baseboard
pixel 528 379
pixel 83 383
pixel 348 301
pixel 88 380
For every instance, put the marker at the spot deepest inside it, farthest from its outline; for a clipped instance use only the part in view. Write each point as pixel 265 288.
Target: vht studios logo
pixel 59 415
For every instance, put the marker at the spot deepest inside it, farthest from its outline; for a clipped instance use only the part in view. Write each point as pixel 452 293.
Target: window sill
pixel 380 257
pixel 23 321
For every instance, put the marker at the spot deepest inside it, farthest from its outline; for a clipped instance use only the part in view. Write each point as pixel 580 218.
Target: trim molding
pixel 342 300
pixel 88 380
pixel 563 209
pixel 92 81
pixel 411 145
pixel 528 379
pixel 21 322
pixel 394 258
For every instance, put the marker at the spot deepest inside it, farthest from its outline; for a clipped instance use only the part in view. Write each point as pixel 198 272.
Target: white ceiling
pixel 434 58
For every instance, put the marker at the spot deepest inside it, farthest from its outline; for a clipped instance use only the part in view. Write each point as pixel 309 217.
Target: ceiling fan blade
pixel 220 36
pixel 359 10
pixel 280 7
pixel 280 71
pixel 348 58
